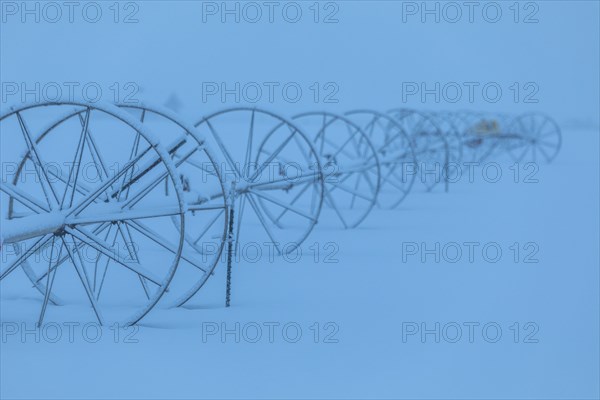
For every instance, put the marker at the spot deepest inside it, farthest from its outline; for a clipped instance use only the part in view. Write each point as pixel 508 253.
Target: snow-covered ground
pixel 346 321
pixel 362 313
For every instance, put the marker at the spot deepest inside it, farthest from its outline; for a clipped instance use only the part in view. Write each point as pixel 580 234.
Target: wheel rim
pixel 276 174
pixel 396 155
pixel 95 259
pixel 538 138
pixel 205 229
pixel 350 165
pixel 431 147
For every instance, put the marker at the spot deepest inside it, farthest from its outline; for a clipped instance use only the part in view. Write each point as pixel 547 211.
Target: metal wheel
pixel 430 144
pixel 396 155
pixel 82 183
pixel 200 177
pixel 536 137
pixel 275 174
pixel 453 136
pixel 350 165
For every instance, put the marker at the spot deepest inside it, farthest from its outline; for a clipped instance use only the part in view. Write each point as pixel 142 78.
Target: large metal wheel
pixel 275 175
pixel 80 186
pixel 350 165
pixel 535 137
pixel 395 151
pixel 206 228
pixel 430 144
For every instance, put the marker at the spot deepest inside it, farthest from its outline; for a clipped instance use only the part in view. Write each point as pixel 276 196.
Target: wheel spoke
pixel 283 205
pixel 128 176
pixel 298 195
pixel 49 281
pixel 271 157
pixel 355 193
pixel 209 225
pixel 129 244
pixel 76 162
pixel 96 192
pixel 165 243
pixel 144 190
pixel 80 272
pixel 96 155
pixel 321 133
pixel 262 220
pixel 106 263
pixel 228 157
pixel 103 247
pixel 28 253
pixel 97 230
pixel 249 144
pixel 23 198
pixel 38 163
pixel 546 156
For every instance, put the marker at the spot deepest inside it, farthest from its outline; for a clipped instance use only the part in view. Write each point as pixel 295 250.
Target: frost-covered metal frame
pixel 62 211
pixel 175 183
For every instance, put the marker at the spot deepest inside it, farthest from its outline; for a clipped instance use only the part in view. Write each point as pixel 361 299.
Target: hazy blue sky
pixel 372 49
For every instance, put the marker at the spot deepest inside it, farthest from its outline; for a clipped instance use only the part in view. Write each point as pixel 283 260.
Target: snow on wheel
pixel 200 177
pixel 73 203
pixel 536 137
pixel 395 151
pixel 350 165
pixel 430 144
pixel 275 174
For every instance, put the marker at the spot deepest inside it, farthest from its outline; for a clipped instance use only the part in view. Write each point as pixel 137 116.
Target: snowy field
pixel 488 291
pixel 358 304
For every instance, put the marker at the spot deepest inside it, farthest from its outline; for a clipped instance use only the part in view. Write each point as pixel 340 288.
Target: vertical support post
pixel 230 243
